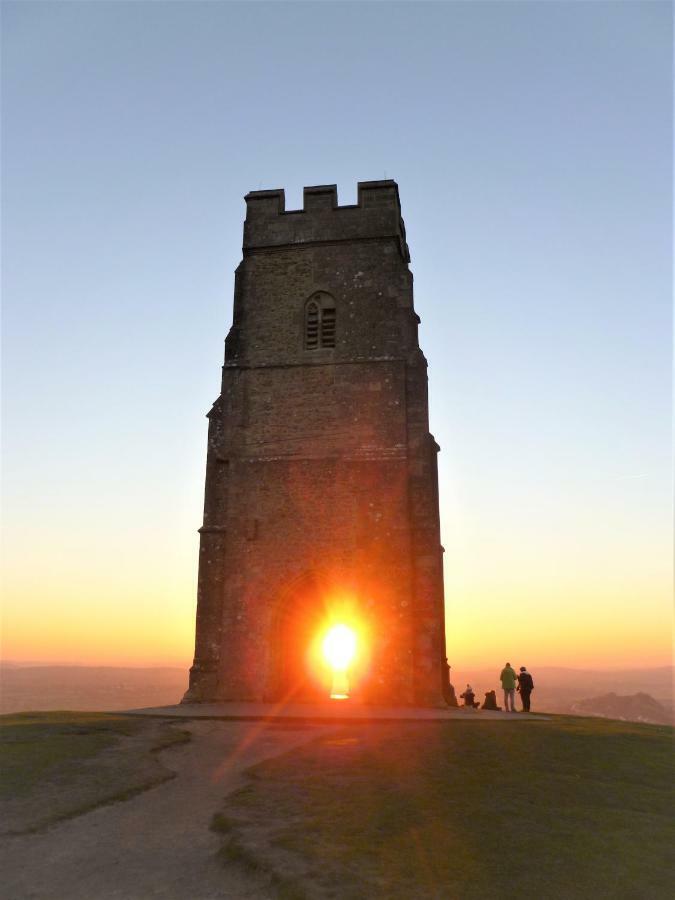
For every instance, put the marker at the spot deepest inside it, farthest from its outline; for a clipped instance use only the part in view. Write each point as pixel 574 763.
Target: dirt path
pixel 158 844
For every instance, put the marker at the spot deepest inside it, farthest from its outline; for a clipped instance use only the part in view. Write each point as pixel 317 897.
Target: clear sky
pixel 532 146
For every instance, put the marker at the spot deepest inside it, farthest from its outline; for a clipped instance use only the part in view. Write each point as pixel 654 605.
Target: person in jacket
pixel 508 680
pixel 525 687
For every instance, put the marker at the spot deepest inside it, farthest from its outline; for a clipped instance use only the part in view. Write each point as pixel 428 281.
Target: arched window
pixel 320 322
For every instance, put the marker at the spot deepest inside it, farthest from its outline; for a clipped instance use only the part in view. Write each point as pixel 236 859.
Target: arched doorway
pixel 299 673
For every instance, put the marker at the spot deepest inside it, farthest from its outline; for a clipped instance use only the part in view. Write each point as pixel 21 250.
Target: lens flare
pixel 339 647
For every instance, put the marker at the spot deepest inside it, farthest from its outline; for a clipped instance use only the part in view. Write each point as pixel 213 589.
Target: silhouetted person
pixel 525 687
pixel 508 680
pixel 448 690
pixel 490 701
pixel 469 697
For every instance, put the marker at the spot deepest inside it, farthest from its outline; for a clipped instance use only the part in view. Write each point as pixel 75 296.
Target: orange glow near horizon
pixel 83 609
pixel 151 631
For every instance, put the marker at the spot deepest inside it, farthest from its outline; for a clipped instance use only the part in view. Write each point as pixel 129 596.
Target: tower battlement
pixel 377 214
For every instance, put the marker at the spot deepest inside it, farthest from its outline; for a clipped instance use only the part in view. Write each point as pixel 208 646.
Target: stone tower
pixel 321 495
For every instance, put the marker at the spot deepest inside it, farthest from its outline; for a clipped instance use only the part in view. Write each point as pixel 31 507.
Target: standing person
pixel 508 680
pixel 525 687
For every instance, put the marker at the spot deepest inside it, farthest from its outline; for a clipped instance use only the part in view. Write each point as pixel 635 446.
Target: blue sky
pixel 532 146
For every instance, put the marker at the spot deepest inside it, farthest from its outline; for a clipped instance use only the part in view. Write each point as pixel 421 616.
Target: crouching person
pixel 469 698
pixel 490 701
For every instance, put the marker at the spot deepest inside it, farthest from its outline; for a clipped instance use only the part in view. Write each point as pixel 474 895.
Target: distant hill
pixel 560 690
pixel 636 708
pixel 93 688
pixel 97 688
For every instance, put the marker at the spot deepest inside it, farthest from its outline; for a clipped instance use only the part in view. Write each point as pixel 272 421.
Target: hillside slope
pixel 564 809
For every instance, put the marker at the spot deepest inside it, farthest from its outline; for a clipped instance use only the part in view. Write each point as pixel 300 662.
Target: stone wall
pixel 321 472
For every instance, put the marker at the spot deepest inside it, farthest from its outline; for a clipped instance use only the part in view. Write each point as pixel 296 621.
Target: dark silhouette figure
pixel 525 687
pixel 448 690
pixel 490 700
pixel 469 697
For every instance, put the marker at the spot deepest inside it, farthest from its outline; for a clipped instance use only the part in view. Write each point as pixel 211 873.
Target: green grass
pixel 566 808
pixel 53 765
pixel 33 746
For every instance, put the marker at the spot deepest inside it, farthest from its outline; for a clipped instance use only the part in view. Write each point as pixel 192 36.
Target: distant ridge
pixel 639 707
pixel 39 664
pixel 561 690
pixel 36 686
pixel 94 688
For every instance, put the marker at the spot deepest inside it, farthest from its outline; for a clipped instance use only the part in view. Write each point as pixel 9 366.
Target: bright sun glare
pixel 339 647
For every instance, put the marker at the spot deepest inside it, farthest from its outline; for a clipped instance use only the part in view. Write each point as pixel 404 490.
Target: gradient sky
pixel 532 146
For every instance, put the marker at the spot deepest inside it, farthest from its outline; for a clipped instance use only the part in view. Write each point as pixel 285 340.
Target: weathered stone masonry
pixel 321 472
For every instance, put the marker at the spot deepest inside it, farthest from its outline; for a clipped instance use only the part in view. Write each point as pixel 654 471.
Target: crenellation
pixel 376 216
pixel 265 203
pixel 379 194
pixel 320 198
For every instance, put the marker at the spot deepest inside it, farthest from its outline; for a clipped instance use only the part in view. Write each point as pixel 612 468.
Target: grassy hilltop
pixel 565 808
pixel 59 765
pixel 551 809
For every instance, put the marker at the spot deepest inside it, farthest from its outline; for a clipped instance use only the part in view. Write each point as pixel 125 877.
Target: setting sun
pixel 339 647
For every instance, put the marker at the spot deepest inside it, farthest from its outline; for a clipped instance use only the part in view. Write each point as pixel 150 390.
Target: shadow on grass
pixel 568 808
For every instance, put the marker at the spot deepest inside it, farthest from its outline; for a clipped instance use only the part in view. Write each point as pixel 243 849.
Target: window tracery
pixel 320 322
